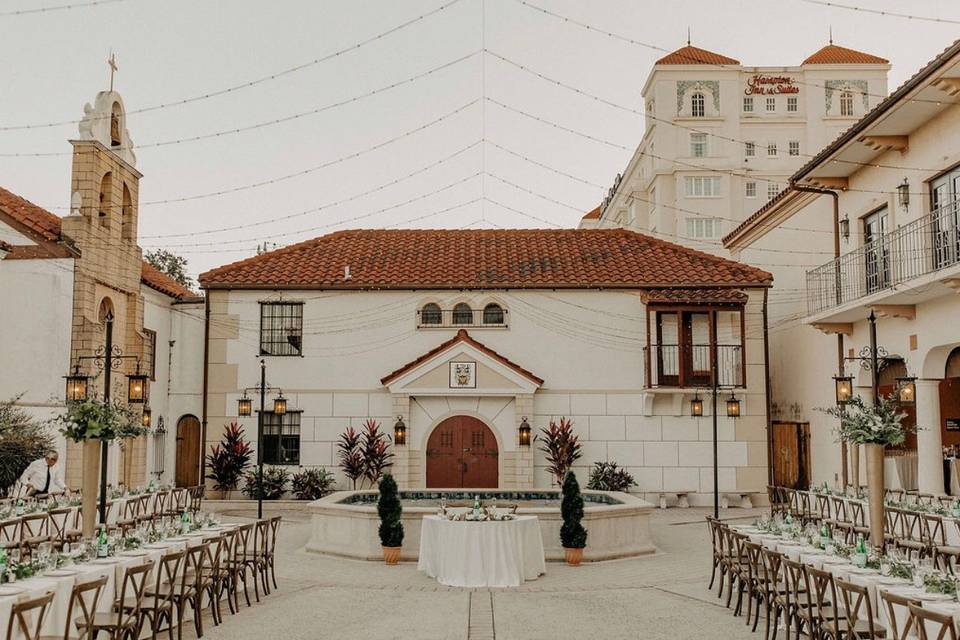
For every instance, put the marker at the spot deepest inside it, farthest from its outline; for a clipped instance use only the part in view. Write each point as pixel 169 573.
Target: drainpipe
pixel 766 373
pixel 206 367
pixel 836 254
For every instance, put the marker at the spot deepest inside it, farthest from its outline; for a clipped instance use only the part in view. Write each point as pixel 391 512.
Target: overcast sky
pixel 53 62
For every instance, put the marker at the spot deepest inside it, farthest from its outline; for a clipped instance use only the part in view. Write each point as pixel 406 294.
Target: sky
pixel 417 128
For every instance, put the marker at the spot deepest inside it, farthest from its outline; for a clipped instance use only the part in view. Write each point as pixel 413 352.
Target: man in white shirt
pixel 43 477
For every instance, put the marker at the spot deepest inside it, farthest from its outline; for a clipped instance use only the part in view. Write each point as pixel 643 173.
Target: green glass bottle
pixel 476 506
pixel 102 543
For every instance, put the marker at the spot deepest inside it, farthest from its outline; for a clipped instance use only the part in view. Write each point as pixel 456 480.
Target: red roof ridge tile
pixel 461 336
pixel 835 54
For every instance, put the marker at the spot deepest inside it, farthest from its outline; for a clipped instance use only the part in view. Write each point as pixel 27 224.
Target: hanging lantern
pixel 906 391
pixel 280 405
pixel 696 406
pixel 137 387
pixel 76 385
pixel 733 407
pixel 523 432
pixel 399 432
pixel 903 193
pixel 844 389
pixel 145 418
pixel 244 406
pixel 845 227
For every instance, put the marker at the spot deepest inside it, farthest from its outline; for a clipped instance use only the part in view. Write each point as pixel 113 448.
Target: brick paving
pixel 654 597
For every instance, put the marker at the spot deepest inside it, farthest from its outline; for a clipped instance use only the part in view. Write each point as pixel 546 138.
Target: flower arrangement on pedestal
pixel 94 419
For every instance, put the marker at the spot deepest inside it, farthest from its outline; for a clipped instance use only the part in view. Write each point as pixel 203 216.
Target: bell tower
pixel 104 188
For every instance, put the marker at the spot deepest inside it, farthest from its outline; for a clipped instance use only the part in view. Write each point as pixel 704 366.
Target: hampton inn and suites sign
pixel 770 85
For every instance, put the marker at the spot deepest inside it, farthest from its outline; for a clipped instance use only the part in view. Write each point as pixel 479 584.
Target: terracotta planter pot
pixel 573 556
pixel 875 486
pixel 391 555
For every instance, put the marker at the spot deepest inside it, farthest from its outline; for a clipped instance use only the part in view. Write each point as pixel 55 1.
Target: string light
pixel 62 7
pixel 880 12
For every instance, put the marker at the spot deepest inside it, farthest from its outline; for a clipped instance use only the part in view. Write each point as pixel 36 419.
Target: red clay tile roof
pixel 163 283
pixel 462 336
pixel 483 259
pixel 695 55
pixel 834 54
pixel 693 296
pixel 37 219
pixel 594 214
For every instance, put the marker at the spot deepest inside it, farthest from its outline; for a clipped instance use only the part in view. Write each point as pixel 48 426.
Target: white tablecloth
pixel 481 554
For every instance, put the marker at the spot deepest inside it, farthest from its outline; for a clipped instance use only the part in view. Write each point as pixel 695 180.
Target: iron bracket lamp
pixel 399 432
pixel 733 406
pixel 77 385
pixel 907 391
pixel 696 406
pixel 245 406
pixel 524 432
pixel 843 387
pixel 145 418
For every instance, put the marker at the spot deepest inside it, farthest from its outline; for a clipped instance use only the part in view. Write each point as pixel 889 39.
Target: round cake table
pixel 481 554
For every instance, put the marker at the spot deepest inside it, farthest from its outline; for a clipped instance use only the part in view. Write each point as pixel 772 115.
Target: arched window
pixel 952 370
pixel 698 105
pixel 115 125
pixel 846 103
pixel 106 191
pixel 128 232
pixel 493 314
pixel 462 314
pixel 431 314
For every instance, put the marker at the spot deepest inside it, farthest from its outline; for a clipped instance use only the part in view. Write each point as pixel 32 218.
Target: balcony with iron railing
pixel 690 366
pixel 924 246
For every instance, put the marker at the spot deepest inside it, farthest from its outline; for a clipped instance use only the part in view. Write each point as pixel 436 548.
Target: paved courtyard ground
pixel 654 597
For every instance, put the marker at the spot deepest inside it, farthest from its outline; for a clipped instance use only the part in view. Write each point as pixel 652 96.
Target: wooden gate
pixel 791 454
pixel 462 452
pixel 188 452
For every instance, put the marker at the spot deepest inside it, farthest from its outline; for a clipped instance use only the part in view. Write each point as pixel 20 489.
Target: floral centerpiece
pixel 94 419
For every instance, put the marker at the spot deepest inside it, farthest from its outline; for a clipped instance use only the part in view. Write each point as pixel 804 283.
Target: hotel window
pixel 750 149
pixel 792 104
pixel 681 350
pixel 702 186
pixel 698 105
pixel 281 438
pixel 703 228
pixel 750 189
pixel 771 104
pixel 846 104
pixel 772 149
pixel 772 190
pixel 698 145
pixel 748 104
pixel 281 328
pixel 794 148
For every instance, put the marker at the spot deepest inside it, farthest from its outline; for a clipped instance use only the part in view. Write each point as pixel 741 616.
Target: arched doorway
pixel 188 452
pixel 462 452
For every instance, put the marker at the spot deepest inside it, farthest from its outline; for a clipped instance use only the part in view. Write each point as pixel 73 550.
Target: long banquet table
pixel 869 578
pixel 61 581
pixel 481 554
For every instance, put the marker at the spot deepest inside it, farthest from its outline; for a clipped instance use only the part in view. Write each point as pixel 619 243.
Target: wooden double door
pixel 462 452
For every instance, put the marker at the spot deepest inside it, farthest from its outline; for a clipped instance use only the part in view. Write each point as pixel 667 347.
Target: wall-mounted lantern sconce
pixel 523 431
pixel 400 432
pixel 696 406
pixel 903 193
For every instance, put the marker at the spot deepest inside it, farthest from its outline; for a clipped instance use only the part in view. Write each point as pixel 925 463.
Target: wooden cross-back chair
pixel 26 618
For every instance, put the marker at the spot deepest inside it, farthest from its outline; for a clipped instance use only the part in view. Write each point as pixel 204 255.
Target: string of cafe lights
pixel 881 12
pixel 659 49
pixel 259 125
pixel 59 7
pixel 257 81
pixel 671 123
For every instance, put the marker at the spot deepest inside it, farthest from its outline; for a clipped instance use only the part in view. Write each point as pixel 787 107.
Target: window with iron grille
pixel 281 328
pixel 431 314
pixel 281 438
pixel 150 348
pixel 493 314
pixel 462 314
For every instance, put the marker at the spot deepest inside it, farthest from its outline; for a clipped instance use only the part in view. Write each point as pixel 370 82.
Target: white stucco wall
pixel 586 345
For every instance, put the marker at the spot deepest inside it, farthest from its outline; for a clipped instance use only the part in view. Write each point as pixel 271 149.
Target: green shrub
pixel 22 440
pixel 607 476
pixel 572 533
pixel 389 509
pixel 311 484
pixel 275 481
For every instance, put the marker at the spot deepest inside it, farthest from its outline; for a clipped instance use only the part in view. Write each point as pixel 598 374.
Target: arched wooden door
pixel 462 453
pixel 188 452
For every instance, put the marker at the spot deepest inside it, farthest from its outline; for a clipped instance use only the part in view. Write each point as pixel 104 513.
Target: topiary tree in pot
pixel 573 536
pixel 391 528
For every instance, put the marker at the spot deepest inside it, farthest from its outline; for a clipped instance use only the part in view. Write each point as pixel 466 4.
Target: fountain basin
pixel 345 523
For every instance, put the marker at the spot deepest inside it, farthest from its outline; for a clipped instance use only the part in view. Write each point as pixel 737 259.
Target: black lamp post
pixel 107 357
pixel 244 408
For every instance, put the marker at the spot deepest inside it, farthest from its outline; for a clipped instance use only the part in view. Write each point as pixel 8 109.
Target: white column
pixel 929 441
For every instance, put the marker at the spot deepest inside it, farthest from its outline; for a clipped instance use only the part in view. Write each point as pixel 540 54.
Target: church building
pixel 463 344
pixel 66 281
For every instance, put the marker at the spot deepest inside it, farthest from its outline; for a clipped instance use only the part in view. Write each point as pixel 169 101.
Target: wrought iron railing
pixel 918 248
pixel 672 365
pixel 434 317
